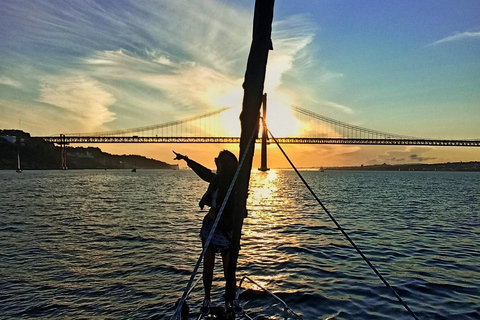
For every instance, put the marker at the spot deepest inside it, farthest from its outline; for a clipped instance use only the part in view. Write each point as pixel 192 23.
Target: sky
pixel 409 67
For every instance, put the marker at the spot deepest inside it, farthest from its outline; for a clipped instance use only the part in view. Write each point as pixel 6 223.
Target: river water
pixel 121 245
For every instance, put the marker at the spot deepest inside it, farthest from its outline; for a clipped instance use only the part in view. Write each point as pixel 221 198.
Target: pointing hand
pixel 179 156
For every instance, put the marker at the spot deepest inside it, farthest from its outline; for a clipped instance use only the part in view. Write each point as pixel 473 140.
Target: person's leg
pixel 232 303
pixel 208 266
pixel 229 296
pixel 225 259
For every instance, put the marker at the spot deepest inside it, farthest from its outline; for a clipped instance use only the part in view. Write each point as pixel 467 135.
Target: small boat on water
pixel 19 168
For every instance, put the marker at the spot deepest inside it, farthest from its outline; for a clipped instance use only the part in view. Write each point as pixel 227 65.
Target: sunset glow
pixel 405 68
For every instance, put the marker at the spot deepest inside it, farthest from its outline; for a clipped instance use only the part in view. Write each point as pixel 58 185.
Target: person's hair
pixel 228 163
pixel 227 166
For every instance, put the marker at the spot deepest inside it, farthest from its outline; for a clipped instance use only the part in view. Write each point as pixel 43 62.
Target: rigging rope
pixel 210 235
pixel 343 231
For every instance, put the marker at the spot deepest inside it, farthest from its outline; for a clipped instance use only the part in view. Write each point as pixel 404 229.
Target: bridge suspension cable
pixel 347 130
pixel 170 124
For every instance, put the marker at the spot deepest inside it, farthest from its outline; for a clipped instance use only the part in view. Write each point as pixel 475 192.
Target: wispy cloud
pixel 9 82
pixel 337 106
pixel 290 37
pixel 84 100
pixel 457 37
pixel 183 86
pixel 203 74
pixel 407 155
pixel 102 65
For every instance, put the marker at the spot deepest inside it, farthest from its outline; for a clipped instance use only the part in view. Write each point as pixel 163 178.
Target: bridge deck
pixel 287 140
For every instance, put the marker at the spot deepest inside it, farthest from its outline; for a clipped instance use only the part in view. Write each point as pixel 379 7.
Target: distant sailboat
pixel 19 169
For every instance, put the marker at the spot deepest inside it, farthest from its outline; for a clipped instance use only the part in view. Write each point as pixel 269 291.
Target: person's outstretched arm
pixel 203 172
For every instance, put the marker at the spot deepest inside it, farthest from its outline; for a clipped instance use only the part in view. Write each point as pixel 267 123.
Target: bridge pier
pixel 263 164
pixel 63 152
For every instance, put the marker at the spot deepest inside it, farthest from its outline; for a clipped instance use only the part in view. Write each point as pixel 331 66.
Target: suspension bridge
pixel 207 128
pixel 210 128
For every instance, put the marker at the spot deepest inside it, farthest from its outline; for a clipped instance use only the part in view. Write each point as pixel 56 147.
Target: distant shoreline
pixel 472 166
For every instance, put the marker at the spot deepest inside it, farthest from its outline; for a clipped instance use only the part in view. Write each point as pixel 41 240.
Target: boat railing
pixel 286 309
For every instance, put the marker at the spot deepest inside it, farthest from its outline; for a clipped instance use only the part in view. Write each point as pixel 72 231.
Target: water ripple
pixel 117 245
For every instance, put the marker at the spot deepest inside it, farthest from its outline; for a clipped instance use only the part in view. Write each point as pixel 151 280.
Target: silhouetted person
pixel 219 183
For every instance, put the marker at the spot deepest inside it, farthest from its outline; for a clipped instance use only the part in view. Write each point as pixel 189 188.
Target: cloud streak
pixel 9 82
pixel 457 37
pixel 84 100
pixel 337 106
pixel 108 66
pixel 406 155
pixel 196 78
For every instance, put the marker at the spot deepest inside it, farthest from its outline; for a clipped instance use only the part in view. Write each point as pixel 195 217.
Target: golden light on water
pixel 263 188
pixel 265 221
pixel 262 192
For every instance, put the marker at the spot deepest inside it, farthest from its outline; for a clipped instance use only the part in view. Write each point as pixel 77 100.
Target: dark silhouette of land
pixel 36 154
pixel 449 166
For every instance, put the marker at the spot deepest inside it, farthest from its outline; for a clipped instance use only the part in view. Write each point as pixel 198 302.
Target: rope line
pixel 210 235
pixel 343 231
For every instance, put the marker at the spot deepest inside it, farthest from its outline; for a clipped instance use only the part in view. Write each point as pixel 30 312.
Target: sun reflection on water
pixel 266 220
pixel 263 187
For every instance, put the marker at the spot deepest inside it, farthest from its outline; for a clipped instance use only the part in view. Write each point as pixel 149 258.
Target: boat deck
pixel 218 313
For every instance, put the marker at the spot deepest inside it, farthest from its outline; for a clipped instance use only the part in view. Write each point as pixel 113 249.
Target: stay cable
pixel 339 227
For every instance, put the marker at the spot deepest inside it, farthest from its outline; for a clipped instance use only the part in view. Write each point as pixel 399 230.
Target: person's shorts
pixel 220 241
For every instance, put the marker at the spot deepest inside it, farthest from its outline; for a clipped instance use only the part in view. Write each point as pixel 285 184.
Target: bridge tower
pixel 263 164
pixel 63 152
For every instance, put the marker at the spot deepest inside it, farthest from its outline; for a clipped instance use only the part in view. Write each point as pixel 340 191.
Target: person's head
pixel 226 163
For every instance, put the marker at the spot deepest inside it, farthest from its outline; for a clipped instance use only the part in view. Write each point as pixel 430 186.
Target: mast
pixel 249 119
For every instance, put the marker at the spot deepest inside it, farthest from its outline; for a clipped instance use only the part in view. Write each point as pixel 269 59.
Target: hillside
pixel 37 154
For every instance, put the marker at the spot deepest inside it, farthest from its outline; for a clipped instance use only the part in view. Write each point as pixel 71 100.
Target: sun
pixel 281 120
